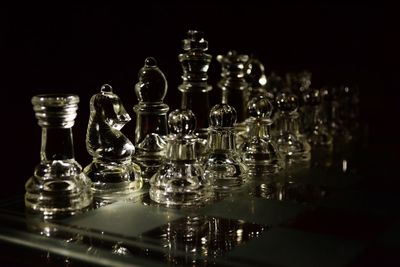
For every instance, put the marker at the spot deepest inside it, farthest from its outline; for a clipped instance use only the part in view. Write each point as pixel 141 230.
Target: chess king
pixel 114 176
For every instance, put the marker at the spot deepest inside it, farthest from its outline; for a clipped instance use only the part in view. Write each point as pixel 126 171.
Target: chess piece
pixel 257 80
pixel 316 130
pixel 195 63
pixel 290 143
pixel 223 164
pixel 58 186
pixel 233 83
pixel 114 176
pixel 180 180
pixel 258 152
pixel 151 118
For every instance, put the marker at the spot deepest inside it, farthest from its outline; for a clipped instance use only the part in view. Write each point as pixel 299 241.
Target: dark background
pixel 77 48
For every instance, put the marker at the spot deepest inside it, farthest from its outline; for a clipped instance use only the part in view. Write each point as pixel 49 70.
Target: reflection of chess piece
pixel 195 63
pixel 58 186
pixel 223 164
pixel 290 143
pixel 258 152
pixel 151 118
pixel 114 176
pixel 181 180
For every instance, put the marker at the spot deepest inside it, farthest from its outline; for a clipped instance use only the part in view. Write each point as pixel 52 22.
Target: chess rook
pixel 58 186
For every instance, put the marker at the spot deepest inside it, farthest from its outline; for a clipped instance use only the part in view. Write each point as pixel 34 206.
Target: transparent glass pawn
pixel 259 153
pixel 58 187
pixel 223 164
pixel 114 176
pixel 151 118
pixel 181 180
pixel 290 143
pixel 195 88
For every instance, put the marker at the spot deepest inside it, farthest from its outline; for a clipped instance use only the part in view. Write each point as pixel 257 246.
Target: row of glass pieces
pixel 190 171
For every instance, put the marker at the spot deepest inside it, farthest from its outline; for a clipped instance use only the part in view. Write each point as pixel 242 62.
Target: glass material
pixel 233 83
pixel 181 179
pixel 151 118
pixel 114 176
pixel 58 186
pixel 316 130
pixel 259 154
pixel 257 79
pixel 290 143
pixel 195 89
pixel 223 164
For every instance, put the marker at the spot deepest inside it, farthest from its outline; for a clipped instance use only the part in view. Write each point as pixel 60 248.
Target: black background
pixel 77 48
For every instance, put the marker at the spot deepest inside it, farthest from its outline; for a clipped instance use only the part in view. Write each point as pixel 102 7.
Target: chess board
pixel 318 217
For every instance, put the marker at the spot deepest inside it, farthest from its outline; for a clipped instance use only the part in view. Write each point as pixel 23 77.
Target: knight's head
pixel 108 106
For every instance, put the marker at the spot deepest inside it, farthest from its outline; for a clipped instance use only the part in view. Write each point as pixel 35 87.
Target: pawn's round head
pixel 287 102
pixel 152 85
pixel 182 121
pixel 222 115
pixel 312 97
pixel 260 107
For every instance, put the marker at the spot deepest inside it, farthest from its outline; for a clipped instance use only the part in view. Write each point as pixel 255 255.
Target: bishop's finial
pixel 106 88
pixel 222 115
pixel 182 121
pixel 260 107
pixel 152 85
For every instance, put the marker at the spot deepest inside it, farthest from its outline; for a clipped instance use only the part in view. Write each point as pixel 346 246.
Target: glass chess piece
pixel 318 135
pixel 151 118
pixel 233 83
pixel 195 89
pixel 223 164
pixel 259 153
pixel 181 179
pixel 290 143
pixel 58 187
pixel 315 129
pixel 257 80
pixel 114 176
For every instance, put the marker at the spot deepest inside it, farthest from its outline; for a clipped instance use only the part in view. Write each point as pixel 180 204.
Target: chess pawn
pixel 223 164
pixel 258 152
pixel 290 142
pixel 180 179
pixel 257 80
pixel 58 187
pixel 195 63
pixel 151 118
pixel 114 176
pixel 233 83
